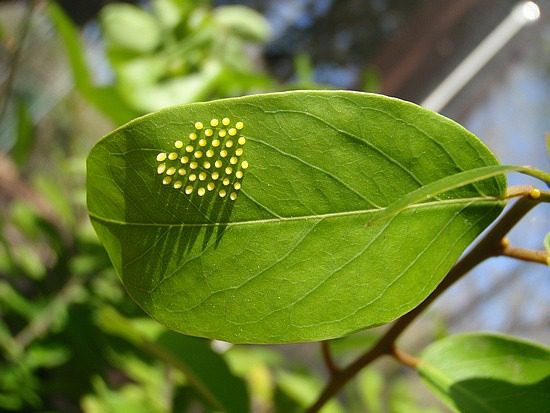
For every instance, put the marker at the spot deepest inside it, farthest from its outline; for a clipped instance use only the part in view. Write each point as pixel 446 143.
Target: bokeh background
pixel 71 71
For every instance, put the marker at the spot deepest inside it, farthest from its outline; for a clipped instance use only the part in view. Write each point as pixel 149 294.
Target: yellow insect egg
pixel 233 160
pixel 206 165
pixel 239 174
pixel 242 140
pixel 202 176
pixel 161 157
pixel 184 159
pixel 214 122
pixel 178 144
pixel 237 185
pixel 171 171
pixel 216 143
pixel 218 164
pixel 215 175
pixel 188 189
pixel 182 171
pixel 173 156
pixel 232 132
pixel 161 168
pixel 202 142
pixel 209 153
pixel 167 180
pixel 222 133
pixel 534 193
pixel 198 154
pixel 178 184
pixel 229 143
pixel 198 125
pixel 228 170
pixel 226 121
pixel 192 177
pixel 208 132
pixel 239 125
pixel 192 136
pixel 239 151
pixel 222 193
pixel 223 153
pixel 189 148
pixel 226 181
pixel 210 186
pixel 194 165
pixel 244 164
pixel 201 191
pixel 233 196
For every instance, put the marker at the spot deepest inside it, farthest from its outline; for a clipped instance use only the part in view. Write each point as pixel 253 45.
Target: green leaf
pixel 488 373
pixel 303 390
pixel 168 12
pixel 210 368
pixel 243 21
pixel 73 45
pixel 206 371
pixel 129 28
pixel 292 258
pixel 371 388
pixel 24 133
pixel 403 398
pixel 105 99
pixel 179 90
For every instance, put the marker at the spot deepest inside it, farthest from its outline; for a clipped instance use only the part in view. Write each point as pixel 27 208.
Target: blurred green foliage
pixel 70 338
pixel 176 52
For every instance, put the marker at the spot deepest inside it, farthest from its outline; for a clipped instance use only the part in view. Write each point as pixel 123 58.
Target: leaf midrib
pixel 295 218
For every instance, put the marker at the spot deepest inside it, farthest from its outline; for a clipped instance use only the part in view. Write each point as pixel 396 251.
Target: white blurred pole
pixel 522 14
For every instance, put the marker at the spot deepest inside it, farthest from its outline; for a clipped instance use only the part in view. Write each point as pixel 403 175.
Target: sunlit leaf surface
pixel 245 219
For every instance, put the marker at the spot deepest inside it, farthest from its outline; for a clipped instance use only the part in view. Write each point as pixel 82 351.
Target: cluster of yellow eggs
pixel 209 161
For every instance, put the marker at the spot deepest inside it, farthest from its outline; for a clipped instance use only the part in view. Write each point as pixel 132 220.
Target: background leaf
pixel 206 371
pixel 128 28
pixel 488 373
pixel 244 21
pixel 104 98
pixel 290 260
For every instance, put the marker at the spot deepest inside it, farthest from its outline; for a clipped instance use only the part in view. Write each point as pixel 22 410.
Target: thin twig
pixel 516 191
pixel 540 257
pixel 328 359
pixel 16 57
pixel 531 191
pixel 489 246
pixel 405 358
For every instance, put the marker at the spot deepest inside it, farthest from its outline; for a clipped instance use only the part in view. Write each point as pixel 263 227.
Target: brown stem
pixel 332 368
pixel 405 358
pixel 540 257
pixel 488 246
pixel 16 57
